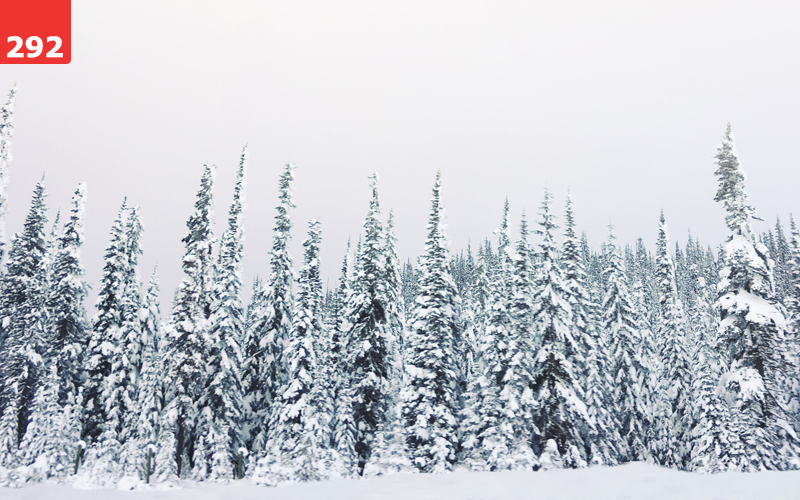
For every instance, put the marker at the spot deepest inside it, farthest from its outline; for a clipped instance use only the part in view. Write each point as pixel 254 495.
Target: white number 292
pixel 34 44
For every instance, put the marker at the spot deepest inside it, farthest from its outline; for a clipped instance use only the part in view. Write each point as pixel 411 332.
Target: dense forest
pixel 532 354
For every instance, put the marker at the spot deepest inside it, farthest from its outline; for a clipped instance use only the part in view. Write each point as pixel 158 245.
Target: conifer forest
pixel 539 353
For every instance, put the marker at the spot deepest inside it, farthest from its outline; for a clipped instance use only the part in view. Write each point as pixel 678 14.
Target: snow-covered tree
pixel 269 333
pixel 6 136
pixel 23 346
pixel 675 394
pixel 753 327
pixel 120 350
pixel 366 335
pixel 49 448
pixel 187 331
pixel 627 371
pixel 67 292
pixel 590 360
pixel 430 397
pixel 298 443
pixel 106 335
pixel 151 390
pixel 255 388
pixel 219 429
pixel 560 414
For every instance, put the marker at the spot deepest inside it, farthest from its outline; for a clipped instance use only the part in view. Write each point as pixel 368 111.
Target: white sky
pixel 621 102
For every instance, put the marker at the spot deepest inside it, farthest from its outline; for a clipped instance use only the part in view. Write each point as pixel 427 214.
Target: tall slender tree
pixel 222 401
pixel 298 441
pixel 430 395
pixel 675 396
pixel 367 335
pixel 24 325
pixel 590 360
pixel 560 414
pixel 753 325
pixel 6 136
pixel 627 370
pixel 187 331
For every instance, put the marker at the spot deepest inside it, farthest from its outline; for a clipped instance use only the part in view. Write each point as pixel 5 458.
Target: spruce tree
pixel 105 336
pixel 50 444
pixel 367 335
pixel 590 360
pixel 560 414
pixel 24 348
pixel 6 136
pixel 187 332
pixel 68 290
pixel 221 414
pixel 151 390
pixel 296 447
pixel 270 332
pixel 120 348
pixel 753 326
pixel 626 367
pixel 430 397
pixel 675 393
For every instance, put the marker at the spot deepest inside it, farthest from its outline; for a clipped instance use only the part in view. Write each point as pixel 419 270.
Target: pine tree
pixel 628 373
pixel 6 136
pixel 602 440
pixel 68 290
pixel 105 336
pixel 296 447
pixel 366 335
pixel 715 446
pixel 150 398
pixel 256 395
pixel 50 445
pixel 187 332
pixel 114 450
pixel 675 393
pixel 560 413
pixel 270 332
pixel 430 398
pixel 753 326
pixel 24 321
pixel 222 399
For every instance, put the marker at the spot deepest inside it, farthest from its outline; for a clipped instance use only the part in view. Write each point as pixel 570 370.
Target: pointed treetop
pixel 731 192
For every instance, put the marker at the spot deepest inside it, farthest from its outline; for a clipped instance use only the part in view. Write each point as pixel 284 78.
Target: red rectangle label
pixel 35 32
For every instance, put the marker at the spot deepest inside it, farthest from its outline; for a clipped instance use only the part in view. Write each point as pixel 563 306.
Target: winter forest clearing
pixel 536 354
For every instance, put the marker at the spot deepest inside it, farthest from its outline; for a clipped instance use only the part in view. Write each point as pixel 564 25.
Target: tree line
pixel 517 356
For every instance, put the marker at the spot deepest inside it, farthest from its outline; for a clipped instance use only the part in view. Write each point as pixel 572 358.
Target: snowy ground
pixel 631 481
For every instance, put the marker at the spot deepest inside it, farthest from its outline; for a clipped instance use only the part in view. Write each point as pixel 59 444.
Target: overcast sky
pixel 623 103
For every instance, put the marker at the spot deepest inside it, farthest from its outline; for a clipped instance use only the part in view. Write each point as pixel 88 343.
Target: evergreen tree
pixel 6 136
pixel 222 400
pixel 753 326
pixel 366 335
pixel 296 447
pixel 256 395
pixel 675 393
pixel 430 398
pixel 105 337
pixel 151 390
pixel 187 332
pixel 50 444
pixel 602 440
pixel 560 414
pixel 627 371
pixel 714 443
pixel 270 331
pixel 120 348
pixel 24 321
pixel 68 290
